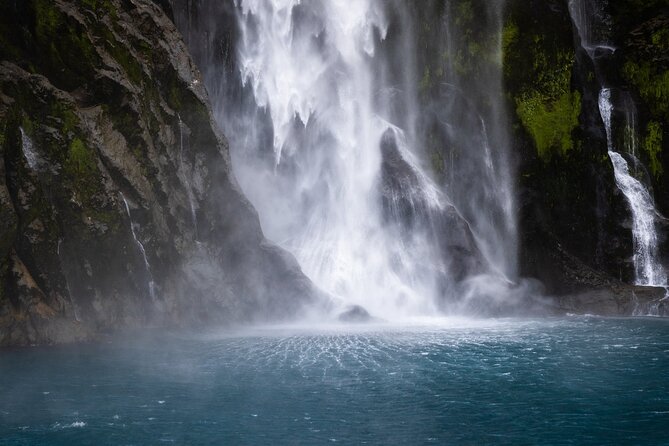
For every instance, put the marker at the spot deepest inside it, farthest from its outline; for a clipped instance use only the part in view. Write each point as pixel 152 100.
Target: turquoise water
pixel 560 381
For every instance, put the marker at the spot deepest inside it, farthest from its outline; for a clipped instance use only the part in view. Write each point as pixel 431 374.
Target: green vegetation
pixel 61 41
pixel 652 144
pixel 426 81
pixel 122 55
pixel 548 108
pixel 437 161
pixel 68 120
pixel 464 14
pixel 509 35
pixel 550 123
pixel 80 161
pixel 652 84
pixel 100 6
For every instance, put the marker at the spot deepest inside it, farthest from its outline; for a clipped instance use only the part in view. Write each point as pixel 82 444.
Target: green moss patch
pixel 652 144
pixel 550 123
pixel 652 84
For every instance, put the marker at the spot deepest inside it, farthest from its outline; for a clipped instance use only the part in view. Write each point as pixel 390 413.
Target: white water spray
pixel 647 266
pixel 314 77
pixel 312 67
pixel 326 121
pixel 29 150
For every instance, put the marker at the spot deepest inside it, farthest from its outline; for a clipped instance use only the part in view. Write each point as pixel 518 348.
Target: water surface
pixel 560 381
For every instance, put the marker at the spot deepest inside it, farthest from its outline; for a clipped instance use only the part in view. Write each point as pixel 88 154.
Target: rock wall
pixel 575 224
pixel 118 207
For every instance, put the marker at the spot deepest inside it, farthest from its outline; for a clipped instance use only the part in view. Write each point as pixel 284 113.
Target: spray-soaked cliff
pixel 118 207
pixel 583 114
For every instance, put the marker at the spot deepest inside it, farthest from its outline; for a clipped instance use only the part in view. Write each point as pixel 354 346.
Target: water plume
pixel 327 133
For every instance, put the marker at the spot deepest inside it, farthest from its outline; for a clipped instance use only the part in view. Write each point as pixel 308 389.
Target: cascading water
pixel 151 285
pixel 29 151
pixel 648 269
pixel 328 148
pixel 186 177
pixel 313 75
pixel 591 22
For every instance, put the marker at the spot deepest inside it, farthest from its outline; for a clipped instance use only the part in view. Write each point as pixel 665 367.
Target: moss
pixel 437 161
pixel 28 126
pixel 100 6
pixel 426 81
pixel 62 42
pixel 653 85
pixel 464 13
pixel 550 123
pixel 174 94
pixel 47 19
pixel 80 162
pixel 68 119
pixel 661 38
pixel 539 77
pixel 652 144
pixel 122 55
pixel 509 35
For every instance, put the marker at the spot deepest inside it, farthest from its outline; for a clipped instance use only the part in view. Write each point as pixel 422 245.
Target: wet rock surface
pixel 405 202
pixel 118 207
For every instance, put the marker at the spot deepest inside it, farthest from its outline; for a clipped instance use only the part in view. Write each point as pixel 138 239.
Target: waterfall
pixel 67 282
pixel 29 151
pixel 186 177
pixel 151 285
pixel 592 25
pixel 647 267
pixel 313 75
pixel 324 124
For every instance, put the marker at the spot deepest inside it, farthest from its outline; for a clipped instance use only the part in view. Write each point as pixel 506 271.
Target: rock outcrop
pixel 406 202
pixel 118 207
pixel 575 223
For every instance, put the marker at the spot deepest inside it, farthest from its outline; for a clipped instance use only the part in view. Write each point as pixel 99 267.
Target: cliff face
pixel 118 207
pixel 569 204
pixel 575 223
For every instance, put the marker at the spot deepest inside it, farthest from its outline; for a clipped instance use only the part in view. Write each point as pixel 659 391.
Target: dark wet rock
pixel 574 223
pixel 105 96
pixel 405 203
pixel 622 300
pixel 355 314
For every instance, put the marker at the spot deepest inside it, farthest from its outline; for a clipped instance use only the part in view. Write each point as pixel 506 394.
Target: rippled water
pixel 561 381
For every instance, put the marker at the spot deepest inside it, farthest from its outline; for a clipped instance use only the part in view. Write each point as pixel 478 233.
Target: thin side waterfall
pixel 67 283
pixel 187 177
pixel 592 24
pixel 647 266
pixel 29 151
pixel 151 284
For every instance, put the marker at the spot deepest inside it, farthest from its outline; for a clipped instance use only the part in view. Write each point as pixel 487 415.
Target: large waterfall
pixel 329 127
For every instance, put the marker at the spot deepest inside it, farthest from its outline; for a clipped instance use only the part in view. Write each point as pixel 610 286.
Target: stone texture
pixel 106 97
